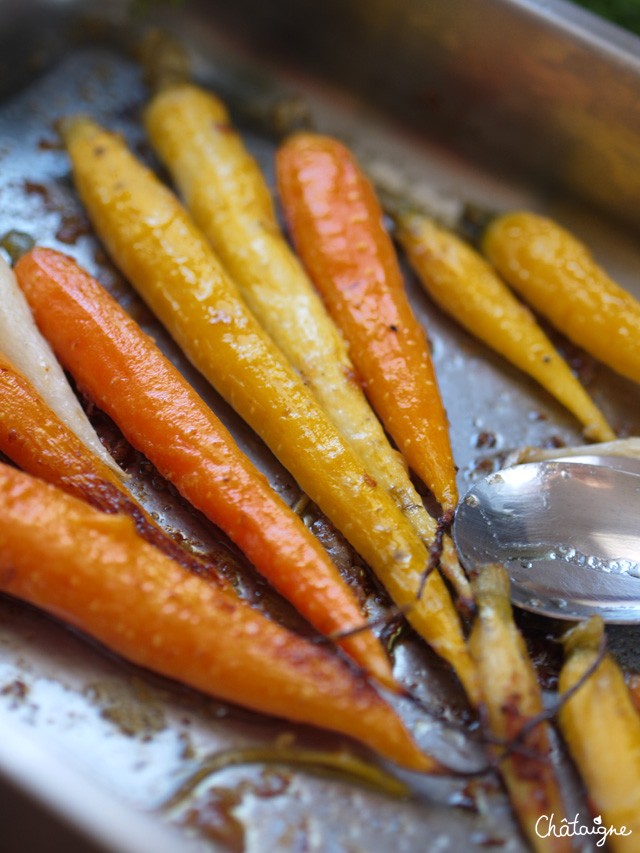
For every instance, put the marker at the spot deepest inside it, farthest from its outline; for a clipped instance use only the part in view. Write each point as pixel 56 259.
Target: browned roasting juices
pixel 228 714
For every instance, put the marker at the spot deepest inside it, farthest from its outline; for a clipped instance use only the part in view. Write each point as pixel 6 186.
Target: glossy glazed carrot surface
pixel 33 437
pixel 160 414
pixel 337 226
pixel 601 726
pixel 229 198
pixel 93 571
pixel 169 262
pixel 465 286
pixel 557 275
pixel 512 699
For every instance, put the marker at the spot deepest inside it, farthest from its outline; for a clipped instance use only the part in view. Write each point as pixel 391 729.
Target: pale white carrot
pixel 627 447
pixel 23 345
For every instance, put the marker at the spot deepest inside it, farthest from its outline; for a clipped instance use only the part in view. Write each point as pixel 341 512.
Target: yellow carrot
pixel 190 129
pixel 557 275
pixel 167 259
pixel 464 285
pixel 602 728
pixel 512 698
pixel 93 571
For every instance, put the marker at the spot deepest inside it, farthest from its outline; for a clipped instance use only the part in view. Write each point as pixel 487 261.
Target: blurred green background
pixel 626 13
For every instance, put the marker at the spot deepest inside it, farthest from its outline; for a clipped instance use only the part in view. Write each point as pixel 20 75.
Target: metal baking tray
pixel 502 102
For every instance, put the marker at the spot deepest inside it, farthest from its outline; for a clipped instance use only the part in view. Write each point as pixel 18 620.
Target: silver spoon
pixel 567 530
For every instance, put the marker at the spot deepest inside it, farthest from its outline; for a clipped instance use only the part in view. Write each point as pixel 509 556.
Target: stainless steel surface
pixel 137 738
pixel 567 533
pixel 534 85
pixel 621 463
pixel 80 816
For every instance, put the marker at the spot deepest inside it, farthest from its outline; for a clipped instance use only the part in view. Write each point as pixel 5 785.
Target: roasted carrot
pixel 628 447
pixel 557 275
pixel 464 285
pixel 127 376
pixel 167 259
pixel 33 437
pixel 337 227
pixel 602 728
pixel 24 347
pixel 93 571
pixel 225 191
pixel 512 699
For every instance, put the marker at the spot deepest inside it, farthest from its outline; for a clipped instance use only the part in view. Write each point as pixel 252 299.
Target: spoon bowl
pixel 566 530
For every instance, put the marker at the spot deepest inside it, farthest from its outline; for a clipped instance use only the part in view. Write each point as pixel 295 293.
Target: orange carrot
pixel 336 224
pixel 35 438
pixel 167 259
pixel 26 349
pixel 93 571
pixel 190 130
pixel 127 376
